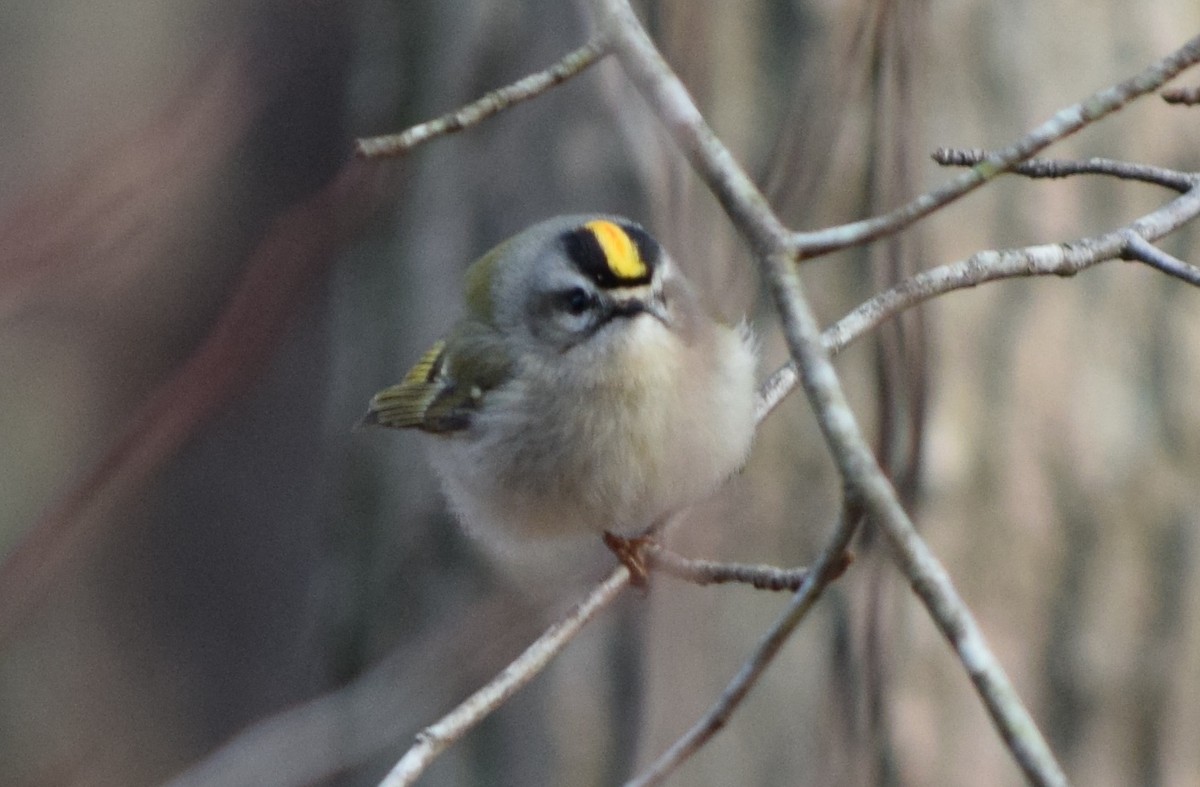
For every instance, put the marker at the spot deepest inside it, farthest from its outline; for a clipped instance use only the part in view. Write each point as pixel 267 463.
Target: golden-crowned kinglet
pixel 585 390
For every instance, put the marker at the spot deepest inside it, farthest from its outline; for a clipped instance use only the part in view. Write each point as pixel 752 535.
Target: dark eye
pixel 576 301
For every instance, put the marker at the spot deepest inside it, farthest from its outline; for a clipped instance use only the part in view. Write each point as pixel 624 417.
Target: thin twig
pixel 1056 259
pixel 435 738
pixel 670 100
pixel 1063 123
pixel 476 112
pixel 865 482
pixel 1059 259
pixel 709 572
pixel 292 746
pixel 830 564
pixel 990 266
pixel 1062 168
pixel 1138 248
pixel 1187 96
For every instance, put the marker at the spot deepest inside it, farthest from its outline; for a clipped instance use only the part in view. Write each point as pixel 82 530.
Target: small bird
pixel 586 389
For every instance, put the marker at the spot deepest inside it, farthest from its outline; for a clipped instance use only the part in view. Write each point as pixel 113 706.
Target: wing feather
pixel 432 397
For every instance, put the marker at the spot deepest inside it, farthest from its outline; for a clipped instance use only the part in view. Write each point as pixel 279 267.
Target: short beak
pixel 655 307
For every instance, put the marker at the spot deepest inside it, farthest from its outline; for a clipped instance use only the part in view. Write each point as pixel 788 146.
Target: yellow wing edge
pixel 406 404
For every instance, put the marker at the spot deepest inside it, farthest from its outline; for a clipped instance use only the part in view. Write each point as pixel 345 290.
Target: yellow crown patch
pixel 620 252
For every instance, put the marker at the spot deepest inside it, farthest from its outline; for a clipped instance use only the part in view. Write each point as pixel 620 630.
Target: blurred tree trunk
pixel 159 147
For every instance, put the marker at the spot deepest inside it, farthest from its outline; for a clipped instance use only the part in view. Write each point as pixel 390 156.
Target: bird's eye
pixel 576 301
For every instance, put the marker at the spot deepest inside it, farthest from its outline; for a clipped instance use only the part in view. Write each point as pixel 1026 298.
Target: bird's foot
pixel 631 551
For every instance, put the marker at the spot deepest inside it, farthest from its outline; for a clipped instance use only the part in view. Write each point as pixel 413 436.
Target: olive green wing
pixel 440 394
pixel 406 405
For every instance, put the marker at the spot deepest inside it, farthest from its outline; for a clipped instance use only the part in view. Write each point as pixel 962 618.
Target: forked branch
pixel 865 483
pixel 830 564
pixel 1063 168
pixel 1064 123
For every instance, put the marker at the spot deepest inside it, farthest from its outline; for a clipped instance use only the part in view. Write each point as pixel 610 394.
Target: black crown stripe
pixel 584 250
pixel 648 248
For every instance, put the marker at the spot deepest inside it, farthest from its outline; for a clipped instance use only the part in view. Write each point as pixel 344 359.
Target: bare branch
pixel 1187 96
pixel 830 564
pixel 1063 259
pixel 709 572
pixel 1062 168
pixel 478 111
pixel 865 482
pixel 291 747
pixel 870 488
pixel 435 738
pixel 1137 248
pixel 774 390
pixel 671 102
pixel 1057 259
pixel 1064 123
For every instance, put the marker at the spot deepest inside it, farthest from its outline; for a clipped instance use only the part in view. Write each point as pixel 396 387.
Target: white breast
pixel 641 431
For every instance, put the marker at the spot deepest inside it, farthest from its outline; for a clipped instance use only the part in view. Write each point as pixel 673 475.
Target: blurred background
pixel 200 289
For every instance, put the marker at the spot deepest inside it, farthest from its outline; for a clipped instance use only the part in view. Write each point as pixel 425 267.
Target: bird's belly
pixel 556 460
